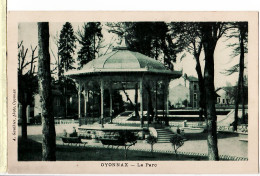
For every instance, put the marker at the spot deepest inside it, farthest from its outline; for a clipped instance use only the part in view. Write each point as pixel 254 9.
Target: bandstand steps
pixel 164 135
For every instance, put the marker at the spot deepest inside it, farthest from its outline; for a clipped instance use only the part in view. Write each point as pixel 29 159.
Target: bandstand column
pixel 79 98
pixel 85 102
pixel 156 104
pixel 167 101
pixel 141 101
pixel 110 103
pixel 102 101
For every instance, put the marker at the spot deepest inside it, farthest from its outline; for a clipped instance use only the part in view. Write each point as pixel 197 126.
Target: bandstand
pixel 121 69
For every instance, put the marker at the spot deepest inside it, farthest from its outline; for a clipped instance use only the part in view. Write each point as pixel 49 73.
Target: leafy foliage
pixel 187 36
pixel 235 33
pixel 128 136
pixel 66 46
pixel 151 139
pixel 129 140
pixel 149 38
pixel 177 141
pixel 90 40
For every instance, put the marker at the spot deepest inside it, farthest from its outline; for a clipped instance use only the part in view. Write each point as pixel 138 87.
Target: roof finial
pixel 123 42
pixel 123 45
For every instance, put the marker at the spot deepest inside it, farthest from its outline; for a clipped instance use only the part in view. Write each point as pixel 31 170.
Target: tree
pixel 129 139
pixel 66 47
pixel 57 65
pixel 211 32
pixel 151 140
pixel 65 61
pixel 188 35
pixel 149 38
pixel 240 32
pixel 27 82
pixel 177 141
pixel 90 40
pixel 44 76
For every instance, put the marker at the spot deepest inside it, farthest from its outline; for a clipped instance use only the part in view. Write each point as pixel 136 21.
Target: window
pixel 195 104
pixel 57 102
pixel 195 86
pixel 194 100
pixel 223 101
pixel 195 96
pixel 218 99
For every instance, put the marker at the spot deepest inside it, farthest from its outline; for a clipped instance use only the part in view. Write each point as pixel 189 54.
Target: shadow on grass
pixel 29 150
pixel 203 136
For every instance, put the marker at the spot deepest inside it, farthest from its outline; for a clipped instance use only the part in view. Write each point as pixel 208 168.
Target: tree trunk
pixel 136 100
pixel 210 106
pixel 237 105
pixel 66 100
pixel 242 30
pixel 44 76
pixel 201 88
pixel 243 102
pixel 93 104
pixel 164 119
pixel 209 44
pixel 126 152
pixel 150 113
pixel 240 77
pixel 156 104
pixel 24 121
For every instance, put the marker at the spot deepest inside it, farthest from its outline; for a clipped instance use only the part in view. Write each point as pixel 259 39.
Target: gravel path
pixel 228 144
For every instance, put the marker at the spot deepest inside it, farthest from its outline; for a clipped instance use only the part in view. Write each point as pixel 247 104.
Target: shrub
pixel 151 140
pixel 177 141
pixel 129 139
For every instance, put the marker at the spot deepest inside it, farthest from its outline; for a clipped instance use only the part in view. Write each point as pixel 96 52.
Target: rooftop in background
pixel 192 78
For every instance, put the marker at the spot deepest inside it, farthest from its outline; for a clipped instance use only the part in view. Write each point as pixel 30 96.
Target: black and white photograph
pixel 131 93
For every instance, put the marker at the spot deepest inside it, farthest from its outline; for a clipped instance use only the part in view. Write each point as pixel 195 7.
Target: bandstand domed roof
pixel 122 60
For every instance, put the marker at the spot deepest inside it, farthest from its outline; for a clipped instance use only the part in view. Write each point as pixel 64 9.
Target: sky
pixel 28 34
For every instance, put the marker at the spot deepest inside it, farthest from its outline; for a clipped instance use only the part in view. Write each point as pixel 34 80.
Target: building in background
pixel 58 106
pixel 186 94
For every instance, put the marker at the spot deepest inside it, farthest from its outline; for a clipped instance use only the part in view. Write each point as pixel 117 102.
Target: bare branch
pixel 33 58
pixel 23 56
pixel 19 45
pixel 232 70
pixel 110 44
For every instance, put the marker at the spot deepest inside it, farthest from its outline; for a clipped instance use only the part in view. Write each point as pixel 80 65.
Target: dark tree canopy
pixel 235 33
pixel 89 39
pixel 152 39
pixel 66 46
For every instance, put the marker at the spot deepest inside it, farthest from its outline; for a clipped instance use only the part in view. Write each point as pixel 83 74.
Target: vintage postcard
pixel 3 91
pixel 132 92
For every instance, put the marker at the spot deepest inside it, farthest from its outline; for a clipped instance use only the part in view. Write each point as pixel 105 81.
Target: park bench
pixel 72 140
pixel 112 142
pixel 116 142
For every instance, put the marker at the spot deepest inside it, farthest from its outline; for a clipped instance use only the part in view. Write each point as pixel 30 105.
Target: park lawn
pixel 30 150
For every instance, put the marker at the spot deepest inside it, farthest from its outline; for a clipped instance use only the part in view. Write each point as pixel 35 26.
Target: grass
pixel 30 150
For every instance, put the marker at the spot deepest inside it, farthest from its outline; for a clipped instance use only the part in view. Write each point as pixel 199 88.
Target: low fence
pixel 240 128
pixel 66 121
